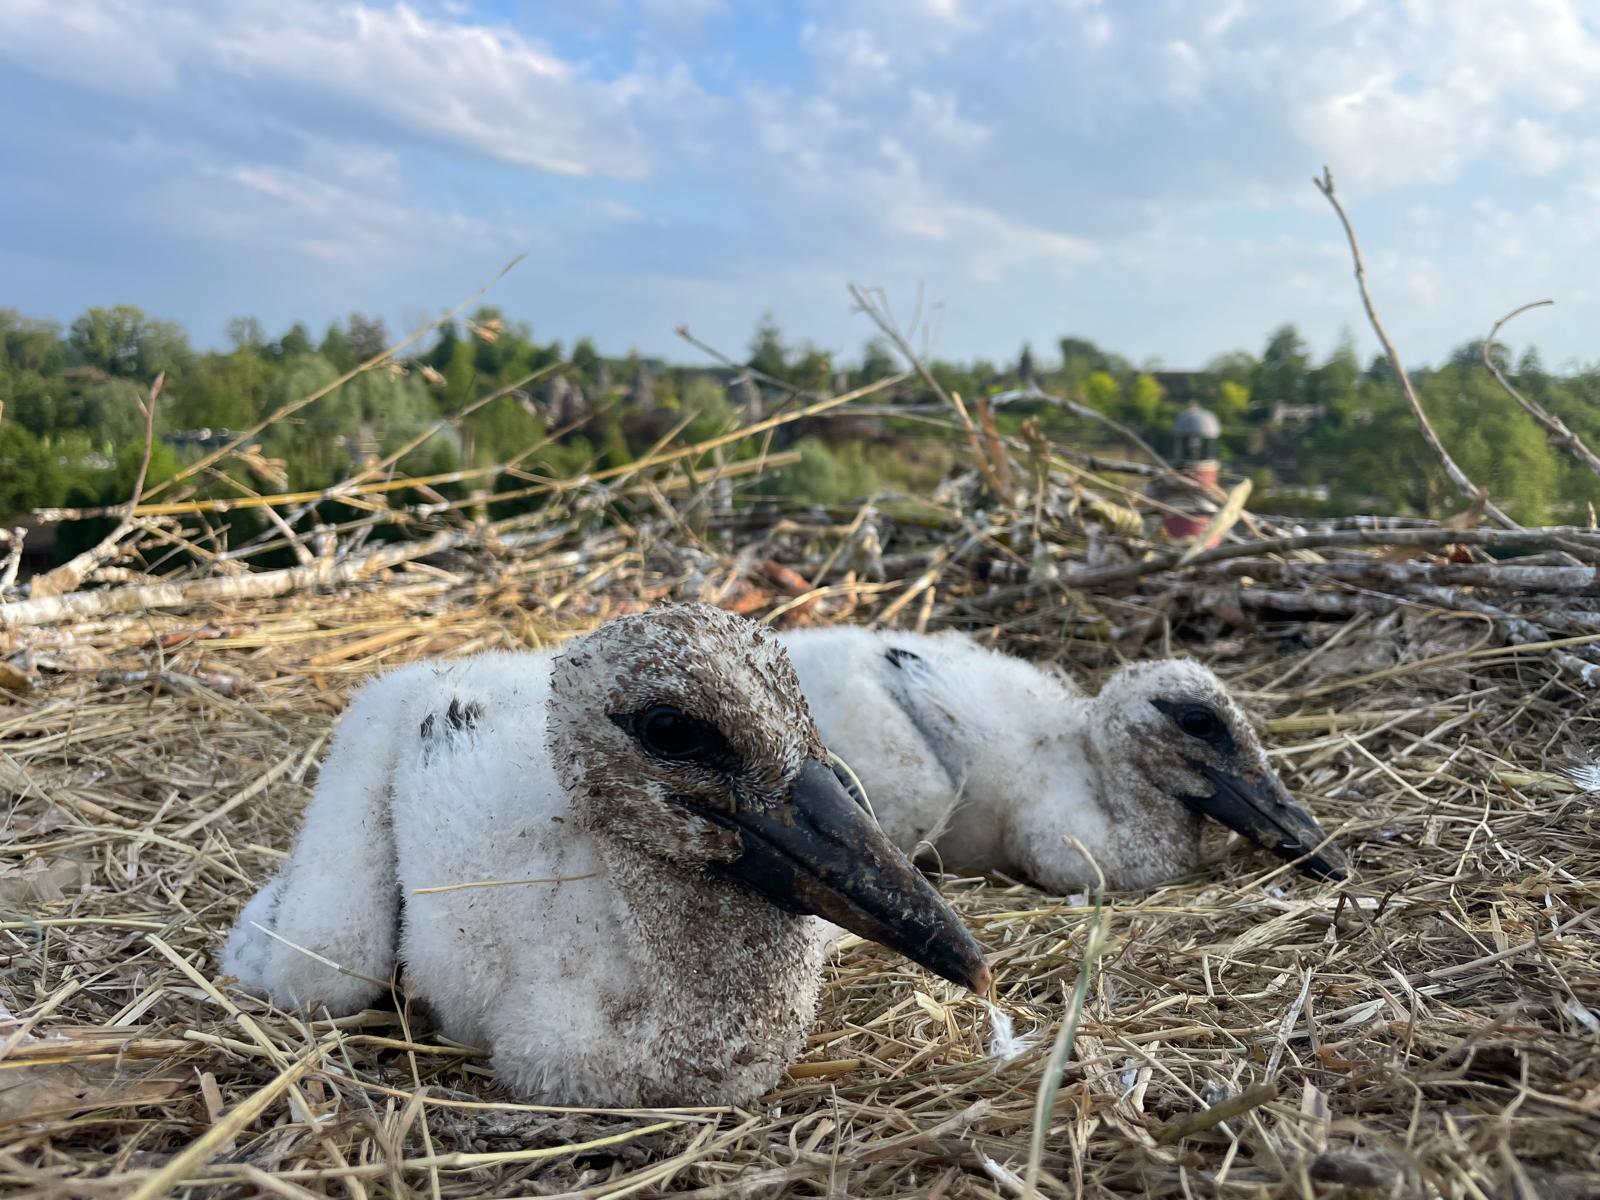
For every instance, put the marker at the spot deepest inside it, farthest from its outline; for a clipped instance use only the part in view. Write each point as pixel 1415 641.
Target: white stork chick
pixel 992 760
pixel 664 767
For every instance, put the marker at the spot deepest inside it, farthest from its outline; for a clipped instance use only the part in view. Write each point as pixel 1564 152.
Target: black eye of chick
pixel 669 732
pixel 1199 723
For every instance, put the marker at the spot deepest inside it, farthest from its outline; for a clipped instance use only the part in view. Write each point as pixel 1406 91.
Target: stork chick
pixel 992 760
pixel 665 769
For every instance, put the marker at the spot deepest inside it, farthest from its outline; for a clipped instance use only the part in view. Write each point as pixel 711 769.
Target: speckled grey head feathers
pixel 727 675
pixel 1195 744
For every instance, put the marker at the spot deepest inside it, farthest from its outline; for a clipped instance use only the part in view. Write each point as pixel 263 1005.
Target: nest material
pixel 1431 1026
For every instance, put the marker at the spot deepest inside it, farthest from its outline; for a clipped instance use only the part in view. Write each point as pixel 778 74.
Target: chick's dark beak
pixel 818 852
pixel 1257 805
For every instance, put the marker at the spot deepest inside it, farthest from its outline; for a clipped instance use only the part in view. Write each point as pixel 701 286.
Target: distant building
pixel 1297 414
pixel 1195 433
pixel 202 439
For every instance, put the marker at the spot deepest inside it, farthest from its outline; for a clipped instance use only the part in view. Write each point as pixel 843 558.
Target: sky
pixel 1137 172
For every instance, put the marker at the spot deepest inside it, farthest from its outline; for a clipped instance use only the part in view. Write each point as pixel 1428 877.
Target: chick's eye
pixel 1199 723
pixel 671 733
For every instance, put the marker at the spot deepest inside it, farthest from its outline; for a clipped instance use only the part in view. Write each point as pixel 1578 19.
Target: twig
pixel 14 539
pixel 494 883
pixel 1548 580
pixel 1234 1106
pixel 1553 425
pixel 447 422
pixel 1457 476
pixel 1034 392
pixel 1090 577
pixel 890 330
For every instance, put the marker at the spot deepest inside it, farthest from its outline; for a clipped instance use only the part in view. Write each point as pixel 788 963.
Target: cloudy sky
pixel 1136 171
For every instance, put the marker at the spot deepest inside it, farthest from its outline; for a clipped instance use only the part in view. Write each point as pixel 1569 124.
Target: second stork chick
pixel 992 760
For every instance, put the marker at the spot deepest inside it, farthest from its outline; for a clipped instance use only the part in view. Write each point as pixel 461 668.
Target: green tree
pixel 1142 403
pixel 1100 391
pixel 767 352
pixel 245 333
pixel 1233 402
pixel 877 361
pixel 368 337
pixel 826 474
pixel 1025 369
pixel 586 361
pixel 335 348
pixel 295 343
pixel 29 476
pixel 1279 377
pixel 123 341
pixel 1080 358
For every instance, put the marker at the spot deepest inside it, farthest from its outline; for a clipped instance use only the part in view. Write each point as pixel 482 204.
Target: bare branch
pixel 1553 425
pixel 1457 475
pixel 1426 538
pixel 1034 392
pixel 12 562
pixel 886 324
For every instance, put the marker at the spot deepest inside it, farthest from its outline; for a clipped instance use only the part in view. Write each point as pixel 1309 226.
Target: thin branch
pixel 13 559
pixel 1034 392
pixel 450 421
pixel 1155 564
pixel 1553 425
pixel 886 324
pixel 1457 475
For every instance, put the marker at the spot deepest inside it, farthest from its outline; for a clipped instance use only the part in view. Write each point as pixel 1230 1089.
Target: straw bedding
pixel 1429 1027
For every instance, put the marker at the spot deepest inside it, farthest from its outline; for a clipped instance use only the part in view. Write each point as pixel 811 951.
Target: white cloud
pixel 682 15
pixel 626 214
pixel 96 44
pixel 799 132
pixel 1415 93
pixel 849 61
pixel 338 206
pixel 939 116
pixel 1535 146
pixel 483 88
pixel 486 89
pixel 1147 149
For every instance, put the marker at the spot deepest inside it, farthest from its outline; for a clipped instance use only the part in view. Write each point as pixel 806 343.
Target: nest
pixel 1431 1025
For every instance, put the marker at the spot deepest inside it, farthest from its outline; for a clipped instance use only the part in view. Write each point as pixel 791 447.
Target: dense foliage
pixel 1330 436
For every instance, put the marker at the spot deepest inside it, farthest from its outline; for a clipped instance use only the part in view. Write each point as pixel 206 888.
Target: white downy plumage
pixel 666 769
pixel 992 760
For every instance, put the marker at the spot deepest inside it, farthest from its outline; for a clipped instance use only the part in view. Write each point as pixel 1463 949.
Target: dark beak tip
pixel 1331 863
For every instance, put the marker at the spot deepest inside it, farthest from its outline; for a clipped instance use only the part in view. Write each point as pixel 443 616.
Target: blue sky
pixel 1136 172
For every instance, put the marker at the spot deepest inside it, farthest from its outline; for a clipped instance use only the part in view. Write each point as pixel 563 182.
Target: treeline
pixel 71 433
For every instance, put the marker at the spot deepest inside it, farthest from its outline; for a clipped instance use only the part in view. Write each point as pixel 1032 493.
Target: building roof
pixel 1195 421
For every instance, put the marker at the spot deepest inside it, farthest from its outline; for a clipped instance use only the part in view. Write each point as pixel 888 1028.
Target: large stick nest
pixel 1431 1025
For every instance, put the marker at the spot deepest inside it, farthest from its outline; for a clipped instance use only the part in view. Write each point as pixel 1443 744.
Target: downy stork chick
pixel 992 759
pixel 665 768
